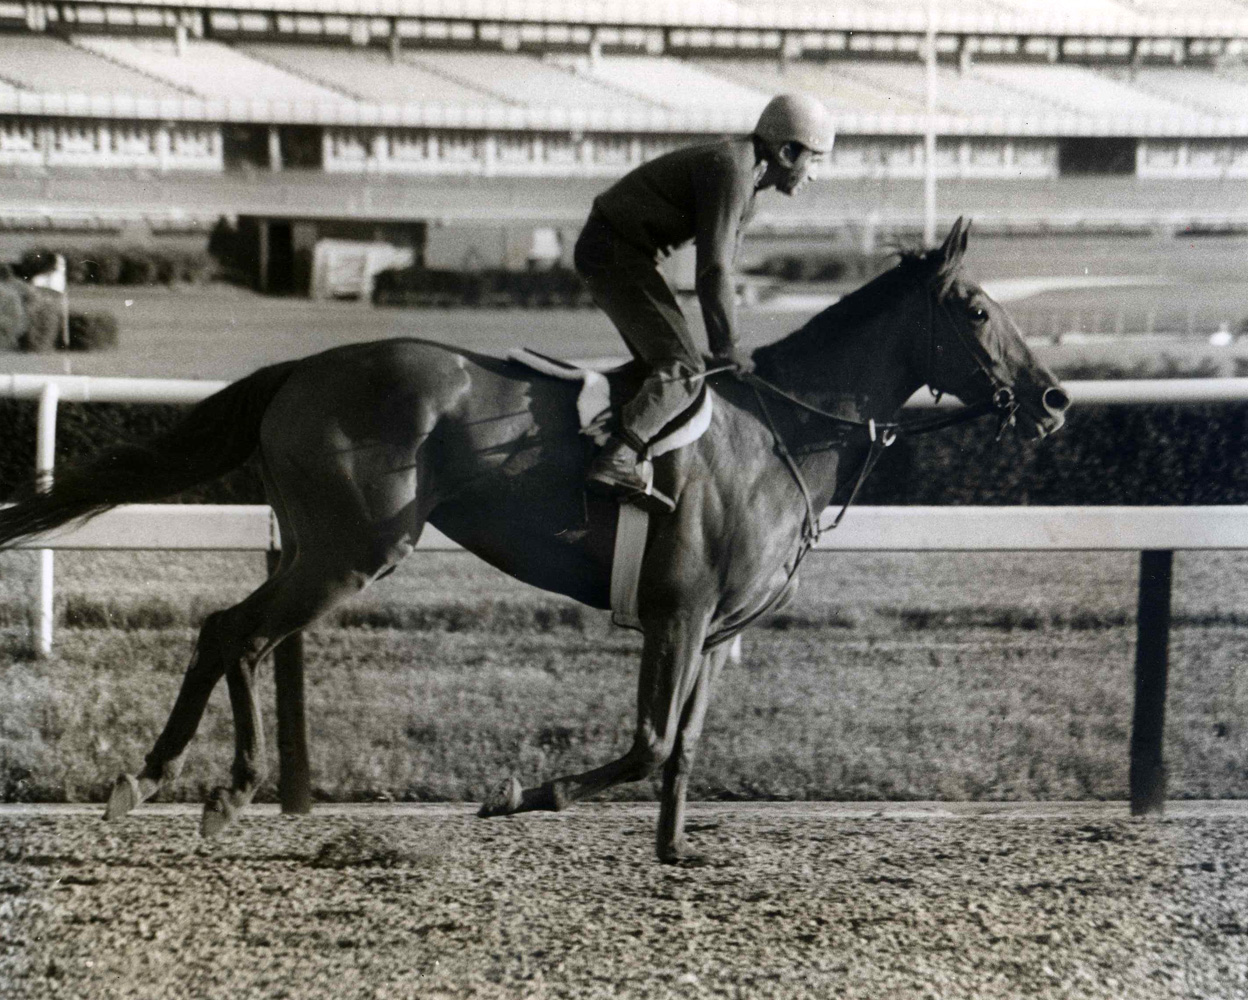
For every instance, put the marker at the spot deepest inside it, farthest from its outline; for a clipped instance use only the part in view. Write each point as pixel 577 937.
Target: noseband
pixel 881 435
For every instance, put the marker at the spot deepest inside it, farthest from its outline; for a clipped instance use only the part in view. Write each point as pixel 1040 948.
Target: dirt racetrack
pixel 795 901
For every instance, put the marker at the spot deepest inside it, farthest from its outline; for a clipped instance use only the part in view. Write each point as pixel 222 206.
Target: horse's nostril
pixel 1056 400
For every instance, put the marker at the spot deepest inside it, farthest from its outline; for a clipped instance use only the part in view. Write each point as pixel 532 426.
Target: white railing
pixel 50 390
pixel 253 528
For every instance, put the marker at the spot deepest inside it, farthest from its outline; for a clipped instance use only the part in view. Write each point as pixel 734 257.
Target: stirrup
pixel 637 489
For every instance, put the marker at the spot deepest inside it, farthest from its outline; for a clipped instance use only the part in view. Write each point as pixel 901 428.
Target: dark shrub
pixel 139 267
pixel 92 331
pixel 107 265
pixel 195 267
pixel 223 246
pixel 12 315
pixel 168 265
pixel 495 288
pixel 43 319
pixel 36 261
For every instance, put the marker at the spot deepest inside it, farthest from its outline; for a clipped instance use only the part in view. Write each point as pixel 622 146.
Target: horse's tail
pixel 218 435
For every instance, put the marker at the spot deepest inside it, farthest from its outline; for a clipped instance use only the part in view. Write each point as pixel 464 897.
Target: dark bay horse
pixel 361 446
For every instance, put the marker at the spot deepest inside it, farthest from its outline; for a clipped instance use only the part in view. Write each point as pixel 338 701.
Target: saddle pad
pixel 593 403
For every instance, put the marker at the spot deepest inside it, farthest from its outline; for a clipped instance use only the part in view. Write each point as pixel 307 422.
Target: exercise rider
pixel 703 193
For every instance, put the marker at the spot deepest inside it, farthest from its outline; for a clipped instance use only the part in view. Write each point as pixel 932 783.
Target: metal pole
pixel 929 134
pixel 45 458
pixel 1152 649
pixel 294 783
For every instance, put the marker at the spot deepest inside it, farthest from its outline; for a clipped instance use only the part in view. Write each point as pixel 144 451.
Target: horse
pixel 362 445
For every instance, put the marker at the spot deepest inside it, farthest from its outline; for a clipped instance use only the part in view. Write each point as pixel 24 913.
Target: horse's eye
pixel 978 314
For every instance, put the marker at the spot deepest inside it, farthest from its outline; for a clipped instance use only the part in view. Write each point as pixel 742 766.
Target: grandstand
pixel 306 116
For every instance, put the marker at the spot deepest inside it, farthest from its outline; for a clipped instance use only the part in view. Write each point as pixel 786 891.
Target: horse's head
pixel 975 352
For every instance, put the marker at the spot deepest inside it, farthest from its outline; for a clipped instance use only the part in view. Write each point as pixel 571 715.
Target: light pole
pixel 929 135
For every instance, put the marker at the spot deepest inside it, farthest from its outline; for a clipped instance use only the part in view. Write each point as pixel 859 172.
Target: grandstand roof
pixel 1112 17
pixel 123 77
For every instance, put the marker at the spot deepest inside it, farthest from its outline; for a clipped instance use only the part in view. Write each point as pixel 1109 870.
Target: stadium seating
pixel 841 94
pixel 671 83
pixel 210 69
pixel 529 81
pixel 371 76
pixel 50 66
pixel 1201 90
pixel 968 93
pixel 1083 91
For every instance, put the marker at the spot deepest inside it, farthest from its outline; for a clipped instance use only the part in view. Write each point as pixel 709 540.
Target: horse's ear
pixel 955 243
pixel 949 256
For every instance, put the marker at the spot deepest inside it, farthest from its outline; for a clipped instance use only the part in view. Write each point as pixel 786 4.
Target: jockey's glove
pixel 740 361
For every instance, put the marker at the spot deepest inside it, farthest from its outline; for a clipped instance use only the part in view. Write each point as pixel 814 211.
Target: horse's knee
pixel 680 762
pixel 649 754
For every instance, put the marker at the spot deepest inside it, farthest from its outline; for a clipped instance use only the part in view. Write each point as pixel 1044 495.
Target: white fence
pixel 170 527
pixel 253 528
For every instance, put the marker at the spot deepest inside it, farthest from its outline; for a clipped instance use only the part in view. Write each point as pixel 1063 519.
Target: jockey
pixel 703 193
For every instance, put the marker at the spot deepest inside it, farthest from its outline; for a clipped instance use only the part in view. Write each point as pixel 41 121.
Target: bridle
pixel 882 434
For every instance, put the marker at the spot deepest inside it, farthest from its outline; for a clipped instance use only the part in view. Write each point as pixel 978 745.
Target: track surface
pixel 795 901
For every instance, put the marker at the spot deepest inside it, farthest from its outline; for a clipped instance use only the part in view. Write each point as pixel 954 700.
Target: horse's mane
pixel 854 309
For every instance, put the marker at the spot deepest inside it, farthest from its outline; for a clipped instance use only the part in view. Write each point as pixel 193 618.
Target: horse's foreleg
pixel 671 663
pixel 670 839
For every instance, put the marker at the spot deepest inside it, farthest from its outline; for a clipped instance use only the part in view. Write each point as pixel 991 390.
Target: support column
pixel 294 783
pixel 262 255
pixel 45 458
pixel 929 131
pixel 1152 663
pixel 275 149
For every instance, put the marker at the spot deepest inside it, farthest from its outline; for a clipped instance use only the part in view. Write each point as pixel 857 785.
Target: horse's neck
pixel 865 373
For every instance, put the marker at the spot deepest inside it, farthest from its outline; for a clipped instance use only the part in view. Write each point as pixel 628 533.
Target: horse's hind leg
pixel 206 668
pixel 164 763
pixel 232 643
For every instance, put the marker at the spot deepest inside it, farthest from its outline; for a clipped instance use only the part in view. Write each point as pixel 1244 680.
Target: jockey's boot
pixel 614 472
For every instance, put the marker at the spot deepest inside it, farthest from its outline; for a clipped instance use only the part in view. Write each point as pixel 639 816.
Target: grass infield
pixel 911 677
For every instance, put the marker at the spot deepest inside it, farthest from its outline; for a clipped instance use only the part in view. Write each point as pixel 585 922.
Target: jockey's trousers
pixel 626 284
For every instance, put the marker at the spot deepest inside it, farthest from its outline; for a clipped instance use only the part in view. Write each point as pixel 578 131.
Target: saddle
pixel 597 406
pixel 602 393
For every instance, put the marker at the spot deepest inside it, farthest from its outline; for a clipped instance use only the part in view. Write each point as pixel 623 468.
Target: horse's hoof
pixel 125 797
pixel 682 855
pixel 504 800
pixel 217 815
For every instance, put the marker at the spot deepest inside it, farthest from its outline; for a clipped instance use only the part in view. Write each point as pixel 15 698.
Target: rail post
pixel 45 459
pixel 1152 661
pixel 294 783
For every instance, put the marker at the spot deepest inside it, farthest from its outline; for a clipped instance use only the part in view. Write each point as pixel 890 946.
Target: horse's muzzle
pixel 1055 401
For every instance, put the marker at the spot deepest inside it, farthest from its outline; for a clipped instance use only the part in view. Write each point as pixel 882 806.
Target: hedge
pixel 92 331
pixel 420 286
pixel 1105 455
pixel 112 264
pixel 30 317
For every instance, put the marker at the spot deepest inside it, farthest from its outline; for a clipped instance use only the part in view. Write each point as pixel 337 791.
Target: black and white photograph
pixel 623 499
